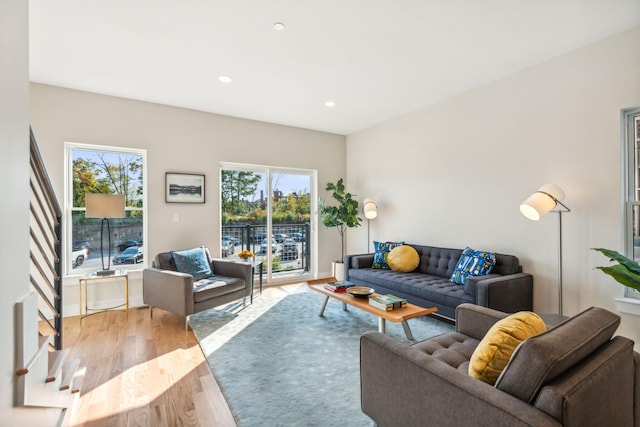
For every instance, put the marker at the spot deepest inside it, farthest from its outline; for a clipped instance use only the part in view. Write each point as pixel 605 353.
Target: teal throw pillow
pixel 473 263
pixel 194 262
pixel 381 252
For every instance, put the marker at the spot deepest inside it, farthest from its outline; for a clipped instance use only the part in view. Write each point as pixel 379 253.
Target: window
pixel 258 201
pixel 631 142
pixel 108 170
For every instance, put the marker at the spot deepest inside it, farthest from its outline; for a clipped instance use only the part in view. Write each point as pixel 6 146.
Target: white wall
pixel 454 174
pixel 14 214
pixel 178 140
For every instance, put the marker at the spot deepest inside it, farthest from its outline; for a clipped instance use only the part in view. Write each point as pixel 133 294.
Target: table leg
pixel 324 304
pixel 126 291
pixel 261 264
pixel 344 306
pixel 382 327
pixel 80 299
pixel 407 331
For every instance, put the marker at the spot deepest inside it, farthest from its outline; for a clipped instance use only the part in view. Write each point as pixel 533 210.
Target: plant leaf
pixel 629 264
pixel 622 275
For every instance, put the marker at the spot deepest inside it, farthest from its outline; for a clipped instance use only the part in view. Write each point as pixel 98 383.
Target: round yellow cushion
pixel 403 258
pixel 494 351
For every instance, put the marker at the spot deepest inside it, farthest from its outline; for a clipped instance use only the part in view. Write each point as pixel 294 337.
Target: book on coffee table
pixel 339 286
pixel 387 302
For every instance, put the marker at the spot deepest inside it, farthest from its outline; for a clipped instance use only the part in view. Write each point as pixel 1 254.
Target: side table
pixel 259 265
pixel 118 274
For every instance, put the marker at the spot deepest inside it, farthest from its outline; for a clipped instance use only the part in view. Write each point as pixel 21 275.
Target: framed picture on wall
pixel 184 187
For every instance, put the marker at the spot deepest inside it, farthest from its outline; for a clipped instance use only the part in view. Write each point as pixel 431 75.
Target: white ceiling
pixel 376 59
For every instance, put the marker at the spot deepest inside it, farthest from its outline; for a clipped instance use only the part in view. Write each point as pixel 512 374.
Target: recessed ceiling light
pixel 278 26
pixel 330 103
pixel 225 79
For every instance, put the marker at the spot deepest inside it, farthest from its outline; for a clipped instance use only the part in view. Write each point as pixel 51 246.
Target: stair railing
pixel 45 248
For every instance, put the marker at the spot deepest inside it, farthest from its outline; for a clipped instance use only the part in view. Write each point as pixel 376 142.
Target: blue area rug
pixel 280 364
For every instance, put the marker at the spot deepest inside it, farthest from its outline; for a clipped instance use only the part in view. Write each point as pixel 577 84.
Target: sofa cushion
pixel 494 350
pixel 194 262
pixel 403 258
pixel 216 286
pixel 381 252
pixel 473 263
pixel 544 357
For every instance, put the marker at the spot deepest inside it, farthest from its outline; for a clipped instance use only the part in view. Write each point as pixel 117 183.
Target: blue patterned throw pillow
pixel 473 263
pixel 194 262
pixel 381 252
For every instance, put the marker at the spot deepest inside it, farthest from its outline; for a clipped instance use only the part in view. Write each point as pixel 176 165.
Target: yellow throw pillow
pixel 403 258
pixel 494 351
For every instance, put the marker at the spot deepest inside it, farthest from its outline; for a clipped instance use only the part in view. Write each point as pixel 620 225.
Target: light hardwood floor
pixel 142 372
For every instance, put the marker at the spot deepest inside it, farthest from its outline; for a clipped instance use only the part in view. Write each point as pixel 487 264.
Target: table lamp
pixel 105 206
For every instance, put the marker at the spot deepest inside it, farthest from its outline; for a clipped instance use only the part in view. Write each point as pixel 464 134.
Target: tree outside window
pixel 109 172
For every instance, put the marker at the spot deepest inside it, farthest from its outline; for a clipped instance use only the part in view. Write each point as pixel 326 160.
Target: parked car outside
pixel 259 237
pixel 226 247
pixel 131 255
pixel 280 237
pixel 128 244
pixel 274 245
pixel 232 239
pixel 298 237
pixel 82 244
pixel 78 257
pixel 289 250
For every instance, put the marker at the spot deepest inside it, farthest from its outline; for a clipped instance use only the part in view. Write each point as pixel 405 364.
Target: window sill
pixel 628 305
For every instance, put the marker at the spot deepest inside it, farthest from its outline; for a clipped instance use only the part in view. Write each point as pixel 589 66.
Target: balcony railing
pixel 289 245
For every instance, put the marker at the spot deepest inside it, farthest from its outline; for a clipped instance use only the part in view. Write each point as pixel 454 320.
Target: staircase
pixel 45 375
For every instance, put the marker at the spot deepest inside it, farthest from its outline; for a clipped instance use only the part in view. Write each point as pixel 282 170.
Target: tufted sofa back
pixel 442 261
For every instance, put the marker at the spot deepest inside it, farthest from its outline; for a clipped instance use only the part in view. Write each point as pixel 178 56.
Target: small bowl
pixel 360 291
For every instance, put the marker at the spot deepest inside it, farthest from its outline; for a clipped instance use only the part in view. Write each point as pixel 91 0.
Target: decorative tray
pixel 360 291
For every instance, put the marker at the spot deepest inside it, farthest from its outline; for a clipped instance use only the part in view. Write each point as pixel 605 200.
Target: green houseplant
pixel 626 272
pixel 342 215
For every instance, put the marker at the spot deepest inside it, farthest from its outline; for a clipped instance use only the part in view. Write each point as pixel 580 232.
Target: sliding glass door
pixel 268 211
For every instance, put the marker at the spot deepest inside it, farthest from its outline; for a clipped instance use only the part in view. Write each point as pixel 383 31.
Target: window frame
pixel 67 224
pixel 630 120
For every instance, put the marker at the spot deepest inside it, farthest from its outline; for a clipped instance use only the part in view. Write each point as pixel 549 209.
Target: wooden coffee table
pixel 400 315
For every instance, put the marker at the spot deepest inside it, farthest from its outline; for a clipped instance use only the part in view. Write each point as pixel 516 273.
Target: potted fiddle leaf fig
pixel 342 215
pixel 626 272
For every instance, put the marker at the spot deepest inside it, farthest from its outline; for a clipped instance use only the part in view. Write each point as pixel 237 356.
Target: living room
pixel 450 174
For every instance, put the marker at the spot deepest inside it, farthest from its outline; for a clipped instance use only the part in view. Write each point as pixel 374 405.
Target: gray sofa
pixel 507 289
pixel 170 290
pixel 574 374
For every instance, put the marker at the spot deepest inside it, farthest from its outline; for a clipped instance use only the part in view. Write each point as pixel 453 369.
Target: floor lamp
pixel 543 201
pixel 105 206
pixel 370 211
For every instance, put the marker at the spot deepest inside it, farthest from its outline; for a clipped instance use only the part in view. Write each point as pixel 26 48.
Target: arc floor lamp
pixel 548 199
pixel 370 211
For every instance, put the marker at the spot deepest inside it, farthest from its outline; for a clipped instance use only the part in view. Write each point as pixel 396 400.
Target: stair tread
pixel 56 360
pixel 77 380
pixel 68 372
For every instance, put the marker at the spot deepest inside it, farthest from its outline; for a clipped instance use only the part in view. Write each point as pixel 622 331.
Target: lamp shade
pixel 370 209
pixel 541 202
pixel 105 205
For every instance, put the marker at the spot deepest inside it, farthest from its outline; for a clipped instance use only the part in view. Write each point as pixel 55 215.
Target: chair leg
pixel 186 323
pixel 151 312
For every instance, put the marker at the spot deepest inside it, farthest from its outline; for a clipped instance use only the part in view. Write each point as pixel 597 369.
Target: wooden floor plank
pixel 143 372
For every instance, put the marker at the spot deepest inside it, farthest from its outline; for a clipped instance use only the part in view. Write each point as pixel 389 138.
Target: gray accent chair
pixel 170 290
pixel 574 374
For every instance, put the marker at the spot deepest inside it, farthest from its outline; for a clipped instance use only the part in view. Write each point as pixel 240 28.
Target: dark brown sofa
pixel 573 374
pixel 168 289
pixel 507 289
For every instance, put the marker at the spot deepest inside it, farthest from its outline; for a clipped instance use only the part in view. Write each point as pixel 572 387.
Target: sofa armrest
pixel 168 290
pixel 475 321
pixel 510 293
pixel 234 269
pixel 401 385
pixel 358 261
